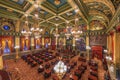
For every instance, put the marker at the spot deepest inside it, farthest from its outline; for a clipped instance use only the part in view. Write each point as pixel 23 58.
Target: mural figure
pixel 81 44
pixel 6 49
pixel 25 46
pixel 46 45
pixel 37 45
pixel 61 42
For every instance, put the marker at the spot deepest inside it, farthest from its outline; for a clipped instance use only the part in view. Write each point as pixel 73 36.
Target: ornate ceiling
pixel 90 12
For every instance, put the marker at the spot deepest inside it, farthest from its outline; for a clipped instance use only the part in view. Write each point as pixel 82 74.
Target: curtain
pixel 118 50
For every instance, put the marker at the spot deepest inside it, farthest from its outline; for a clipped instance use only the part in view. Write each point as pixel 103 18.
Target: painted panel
pixel 7 43
pixel 98 40
pixel 47 41
pixel 81 44
pixel 38 43
pixel 25 43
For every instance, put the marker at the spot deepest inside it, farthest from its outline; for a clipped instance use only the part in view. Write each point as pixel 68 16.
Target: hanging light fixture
pixel 56 34
pixel 25 31
pixel 36 31
pixel 76 31
pixel 60 69
pixel 67 34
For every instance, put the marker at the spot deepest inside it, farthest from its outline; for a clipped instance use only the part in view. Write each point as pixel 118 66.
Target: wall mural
pixel 96 25
pixel 98 40
pixel 81 44
pixel 38 43
pixel 7 44
pixel 47 41
pixel 25 43
pixel 61 43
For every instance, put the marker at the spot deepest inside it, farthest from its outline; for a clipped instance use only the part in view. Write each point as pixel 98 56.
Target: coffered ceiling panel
pixel 16 4
pixel 42 13
pixel 9 12
pixel 56 20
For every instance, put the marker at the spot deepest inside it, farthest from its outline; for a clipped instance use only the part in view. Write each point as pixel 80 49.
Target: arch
pixel 100 8
pixel 98 13
pixel 106 2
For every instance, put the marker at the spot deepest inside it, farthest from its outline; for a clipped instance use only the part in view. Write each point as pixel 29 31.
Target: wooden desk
pixel 55 77
pixel 90 77
pixel 73 77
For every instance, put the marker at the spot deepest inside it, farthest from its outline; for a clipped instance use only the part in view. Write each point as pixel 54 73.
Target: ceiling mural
pixel 98 40
pixel 95 13
pixel 96 25
pixel 100 7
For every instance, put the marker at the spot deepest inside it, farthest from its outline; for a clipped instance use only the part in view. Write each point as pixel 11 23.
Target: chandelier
pixel 76 31
pixel 68 34
pixel 56 33
pixel 36 31
pixel 57 2
pixel 25 31
pixel 60 69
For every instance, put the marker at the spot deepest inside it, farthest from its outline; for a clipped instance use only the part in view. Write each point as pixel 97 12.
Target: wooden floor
pixel 24 71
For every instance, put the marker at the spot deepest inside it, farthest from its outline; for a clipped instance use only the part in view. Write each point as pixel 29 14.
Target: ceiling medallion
pixel 57 2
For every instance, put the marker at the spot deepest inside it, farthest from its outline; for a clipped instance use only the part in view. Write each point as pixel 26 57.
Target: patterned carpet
pixel 22 71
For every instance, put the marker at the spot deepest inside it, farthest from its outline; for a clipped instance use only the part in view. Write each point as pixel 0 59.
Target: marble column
pixel 64 42
pixel 115 42
pixel 87 42
pixel 43 42
pixel 17 39
pixel 87 50
pixel 1 62
pixel 1 59
pixel 74 44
